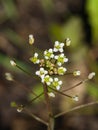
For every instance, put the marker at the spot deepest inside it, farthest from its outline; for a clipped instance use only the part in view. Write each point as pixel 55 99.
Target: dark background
pixel 48 21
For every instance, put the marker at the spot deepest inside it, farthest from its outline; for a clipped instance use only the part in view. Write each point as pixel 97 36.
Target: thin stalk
pixel 36 117
pixel 59 92
pixel 50 113
pixel 24 70
pixel 76 85
pixel 36 98
pixel 76 108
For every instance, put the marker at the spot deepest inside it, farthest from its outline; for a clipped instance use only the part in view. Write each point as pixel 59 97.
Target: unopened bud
pixel 67 41
pixel 13 63
pixel 91 75
pixel 8 76
pixel 31 39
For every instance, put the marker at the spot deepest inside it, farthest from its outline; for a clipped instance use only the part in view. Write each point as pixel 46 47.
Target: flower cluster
pixel 51 65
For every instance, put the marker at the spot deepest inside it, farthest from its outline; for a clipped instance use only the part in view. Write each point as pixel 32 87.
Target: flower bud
pixel 13 63
pixel 91 75
pixel 31 39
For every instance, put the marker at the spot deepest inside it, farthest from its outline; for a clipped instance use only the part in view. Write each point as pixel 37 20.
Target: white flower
pixel 41 73
pixel 13 63
pixel 35 59
pixel 61 59
pixel 48 54
pixel 58 46
pixel 57 83
pixel 91 75
pixel 47 79
pixel 76 73
pixel 61 70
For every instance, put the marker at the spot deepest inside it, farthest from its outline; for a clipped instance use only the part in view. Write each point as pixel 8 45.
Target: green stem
pixel 76 85
pixel 50 113
pixel 76 108
pixel 61 92
pixel 36 117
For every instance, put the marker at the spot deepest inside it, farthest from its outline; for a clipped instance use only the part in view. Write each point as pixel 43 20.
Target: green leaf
pixel 13 104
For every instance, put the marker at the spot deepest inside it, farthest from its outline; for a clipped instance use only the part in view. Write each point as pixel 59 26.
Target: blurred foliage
pixel 37 89
pixel 92 90
pixel 47 5
pixel 71 29
pixel 10 9
pixel 92 9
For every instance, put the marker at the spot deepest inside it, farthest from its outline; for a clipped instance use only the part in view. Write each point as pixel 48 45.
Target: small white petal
pixel 56 43
pixel 62 44
pixel 52 55
pixel 59 63
pixel 56 79
pixel 48 83
pixel 50 50
pixel 37 73
pixel 41 69
pixel 56 57
pixel 58 87
pixel 45 52
pixel 60 82
pixel 36 55
pixel 65 59
pixel 62 55
pixel 45 72
pixel 42 77
pixel 55 50
pixel 51 80
pixel 61 49
pixel 30 36
pixel 37 62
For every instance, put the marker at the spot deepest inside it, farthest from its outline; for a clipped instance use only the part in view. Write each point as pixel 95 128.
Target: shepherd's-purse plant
pixel 51 67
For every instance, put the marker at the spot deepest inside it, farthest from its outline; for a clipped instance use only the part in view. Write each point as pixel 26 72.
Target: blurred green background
pixel 48 21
